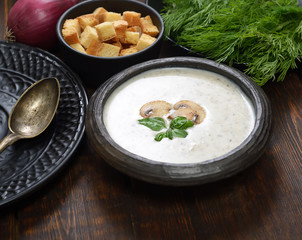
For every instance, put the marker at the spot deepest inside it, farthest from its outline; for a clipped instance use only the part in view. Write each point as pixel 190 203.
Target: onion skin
pixel 33 22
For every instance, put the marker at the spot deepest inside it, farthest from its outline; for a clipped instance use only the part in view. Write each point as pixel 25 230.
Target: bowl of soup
pixel 179 121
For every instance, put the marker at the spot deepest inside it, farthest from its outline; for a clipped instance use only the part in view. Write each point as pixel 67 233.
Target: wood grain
pixel 91 200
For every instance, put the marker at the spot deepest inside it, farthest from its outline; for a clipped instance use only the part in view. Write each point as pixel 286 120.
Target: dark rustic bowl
pixel 95 70
pixel 180 174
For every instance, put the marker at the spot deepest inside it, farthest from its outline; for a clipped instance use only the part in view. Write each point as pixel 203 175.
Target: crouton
pixel 144 41
pixel 71 31
pixel 108 50
pixel 87 20
pixel 148 19
pixel 133 18
pixel 118 44
pixel 88 35
pixel 105 31
pixel 78 47
pixel 94 47
pixel 110 17
pixel 148 27
pixel 70 36
pixel 131 37
pixel 98 48
pixel 120 28
pixel 135 29
pixel 128 51
pixel 98 12
pixel 72 23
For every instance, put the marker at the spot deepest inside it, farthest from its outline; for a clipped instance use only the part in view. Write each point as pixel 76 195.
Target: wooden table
pixel 91 200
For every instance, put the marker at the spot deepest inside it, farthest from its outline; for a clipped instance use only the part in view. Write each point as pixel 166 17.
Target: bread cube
pixel 108 50
pixel 135 29
pixel 72 23
pixel 110 17
pixel 78 47
pixel 120 28
pixel 128 51
pixel 133 18
pixel 98 48
pixel 148 19
pixel 105 31
pixel 131 38
pixel 71 31
pixel 87 20
pixel 98 12
pixel 148 27
pixel 88 35
pixel 70 36
pixel 118 44
pixel 94 47
pixel 145 41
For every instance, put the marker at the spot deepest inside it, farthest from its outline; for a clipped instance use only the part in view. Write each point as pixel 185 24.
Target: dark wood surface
pixel 91 200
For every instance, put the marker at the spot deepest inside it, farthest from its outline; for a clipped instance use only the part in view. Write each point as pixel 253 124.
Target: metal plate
pixel 28 164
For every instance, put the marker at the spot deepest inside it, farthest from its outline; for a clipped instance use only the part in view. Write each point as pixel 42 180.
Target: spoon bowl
pixel 33 112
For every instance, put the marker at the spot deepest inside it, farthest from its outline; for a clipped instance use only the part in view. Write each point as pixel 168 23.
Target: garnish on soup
pixel 184 114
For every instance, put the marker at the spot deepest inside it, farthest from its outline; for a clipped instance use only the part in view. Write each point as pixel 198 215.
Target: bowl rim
pixel 250 88
pixel 63 17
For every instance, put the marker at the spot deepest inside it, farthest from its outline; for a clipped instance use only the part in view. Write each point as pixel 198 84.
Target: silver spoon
pixel 33 112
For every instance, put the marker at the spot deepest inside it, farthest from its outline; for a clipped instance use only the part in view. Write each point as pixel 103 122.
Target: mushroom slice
pixel 199 112
pixel 184 112
pixel 155 109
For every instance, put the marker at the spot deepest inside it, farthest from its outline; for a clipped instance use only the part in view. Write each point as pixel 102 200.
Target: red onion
pixel 33 22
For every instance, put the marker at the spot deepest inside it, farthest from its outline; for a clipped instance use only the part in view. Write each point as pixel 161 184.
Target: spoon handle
pixel 8 140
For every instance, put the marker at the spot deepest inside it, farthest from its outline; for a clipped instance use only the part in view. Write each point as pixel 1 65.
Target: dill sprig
pixel 265 36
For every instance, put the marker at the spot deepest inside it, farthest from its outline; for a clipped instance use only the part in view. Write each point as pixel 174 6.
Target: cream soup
pixel 229 114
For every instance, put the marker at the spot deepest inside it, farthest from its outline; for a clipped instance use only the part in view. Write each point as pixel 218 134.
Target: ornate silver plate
pixel 28 164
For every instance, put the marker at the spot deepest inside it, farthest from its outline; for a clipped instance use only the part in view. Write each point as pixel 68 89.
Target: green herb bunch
pixel 177 127
pixel 264 35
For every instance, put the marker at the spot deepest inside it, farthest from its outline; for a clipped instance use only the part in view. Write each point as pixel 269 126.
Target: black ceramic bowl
pixel 95 70
pixel 188 173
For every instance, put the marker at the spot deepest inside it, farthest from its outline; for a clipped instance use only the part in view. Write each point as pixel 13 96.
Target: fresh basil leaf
pixel 177 122
pixel 160 136
pixel 179 133
pixel 188 124
pixel 181 123
pixel 176 129
pixel 169 134
pixel 154 123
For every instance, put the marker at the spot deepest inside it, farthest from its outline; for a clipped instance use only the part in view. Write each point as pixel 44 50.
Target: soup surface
pixel 229 115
